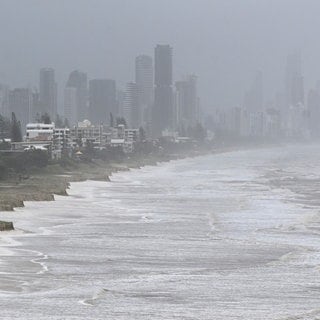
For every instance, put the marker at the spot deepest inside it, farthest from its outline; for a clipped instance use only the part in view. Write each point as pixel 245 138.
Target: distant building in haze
pixel 76 93
pixel 79 81
pixel 314 112
pixel 4 101
pixel 120 103
pixel 163 97
pixel 253 100
pixel 186 102
pixel 294 84
pixel 131 108
pixel 102 100
pixel 144 79
pixel 294 113
pixel 48 92
pixel 71 105
pixel 21 103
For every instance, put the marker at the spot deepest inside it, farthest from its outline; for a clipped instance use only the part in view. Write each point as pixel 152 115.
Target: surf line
pixel 41 257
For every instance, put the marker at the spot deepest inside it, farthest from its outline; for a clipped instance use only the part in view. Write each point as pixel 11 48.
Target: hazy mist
pixel 223 42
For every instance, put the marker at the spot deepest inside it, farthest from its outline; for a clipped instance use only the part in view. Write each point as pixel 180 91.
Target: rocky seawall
pixel 6 226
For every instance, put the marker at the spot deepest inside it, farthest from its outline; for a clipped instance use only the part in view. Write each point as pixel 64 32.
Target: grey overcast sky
pixel 222 41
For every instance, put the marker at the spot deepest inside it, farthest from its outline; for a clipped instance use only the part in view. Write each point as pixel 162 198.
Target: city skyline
pixel 149 102
pixel 158 102
pixel 237 38
pixel 155 90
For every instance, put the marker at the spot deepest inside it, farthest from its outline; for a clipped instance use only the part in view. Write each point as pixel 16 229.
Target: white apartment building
pixel 39 132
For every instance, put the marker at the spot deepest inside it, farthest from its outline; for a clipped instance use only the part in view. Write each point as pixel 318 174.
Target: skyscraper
pixel 253 101
pixel 102 100
pixel 131 107
pixel 21 103
pixel 314 112
pixel 4 101
pixel 144 81
pixel 294 86
pixel 163 65
pixel 186 102
pixel 163 99
pixel 48 92
pixel 71 105
pixel 120 103
pixel 76 93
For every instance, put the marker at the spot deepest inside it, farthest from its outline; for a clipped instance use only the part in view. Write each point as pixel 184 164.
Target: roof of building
pixel 117 141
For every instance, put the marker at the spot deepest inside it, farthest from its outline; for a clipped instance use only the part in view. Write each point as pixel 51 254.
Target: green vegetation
pixel 5 127
pixel 16 164
pixel 16 135
pixel 20 163
pixel 121 120
pixel 10 129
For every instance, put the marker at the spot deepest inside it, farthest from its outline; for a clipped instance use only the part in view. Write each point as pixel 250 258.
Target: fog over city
pixel 159 159
pixel 223 42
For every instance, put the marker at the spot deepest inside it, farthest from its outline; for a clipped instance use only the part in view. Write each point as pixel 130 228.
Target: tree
pixel 182 131
pixel 16 135
pixel 4 145
pixel 38 117
pixel 22 162
pixel 79 140
pixel 89 149
pixel 66 123
pixel 199 132
pixel 142 134
pixel 35 158
pixel 58 122
pixel 111 120
pixel 3 170
pixel 45 118
pixel 121 120
pixel 4 127
pixel 190 131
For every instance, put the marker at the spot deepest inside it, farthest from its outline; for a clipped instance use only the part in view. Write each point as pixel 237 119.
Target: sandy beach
pixel 220 236
pixel 43 184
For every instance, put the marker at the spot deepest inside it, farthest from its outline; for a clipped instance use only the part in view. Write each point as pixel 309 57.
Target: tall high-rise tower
pixel 76 93
pixel 4 101
pixel 21 103
pixel 163 99
pixel 253 100
pixel 102 100
pixel 144 82
pixel 313 107
pixel 186 102
pixel 71 105
pixel 48 92
pixel 131 107
pixel 294 81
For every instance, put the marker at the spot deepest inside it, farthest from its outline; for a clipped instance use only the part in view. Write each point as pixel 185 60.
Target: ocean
pixel 234 235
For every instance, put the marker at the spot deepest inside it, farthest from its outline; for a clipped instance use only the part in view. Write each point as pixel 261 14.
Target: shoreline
pixel 113 233
pixel 55 180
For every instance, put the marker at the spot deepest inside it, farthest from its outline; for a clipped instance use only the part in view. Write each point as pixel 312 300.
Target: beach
pixel 224 236
pixel 44 183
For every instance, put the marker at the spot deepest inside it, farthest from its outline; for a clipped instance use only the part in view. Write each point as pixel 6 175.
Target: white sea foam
pixel 229 236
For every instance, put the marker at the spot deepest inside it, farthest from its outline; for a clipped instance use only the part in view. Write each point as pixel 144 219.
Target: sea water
pixel 226 236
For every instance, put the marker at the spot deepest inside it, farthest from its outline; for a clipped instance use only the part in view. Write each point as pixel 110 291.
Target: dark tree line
pixel 16 134
pixel 197 132
pixel 22 163
pixel 117 121
pixel 5 127
pixel 10 129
